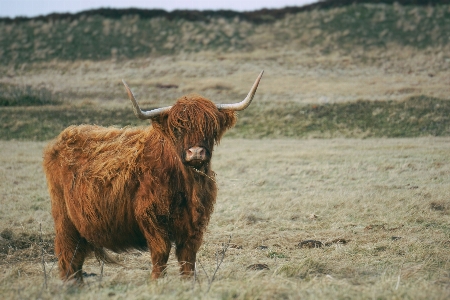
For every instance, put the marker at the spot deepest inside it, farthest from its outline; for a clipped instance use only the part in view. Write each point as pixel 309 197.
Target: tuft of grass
pixel 275 254
pixel 306 269
pixel 12 95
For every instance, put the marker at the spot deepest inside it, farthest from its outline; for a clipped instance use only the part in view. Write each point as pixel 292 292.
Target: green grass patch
pixel 46 122
pixel 12 95
pixel 417 116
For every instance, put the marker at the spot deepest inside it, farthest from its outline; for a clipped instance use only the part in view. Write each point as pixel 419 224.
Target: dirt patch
pixel 24 246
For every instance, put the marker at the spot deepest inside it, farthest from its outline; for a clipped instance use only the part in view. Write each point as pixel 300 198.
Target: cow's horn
pixel 143 115
pixel 246 102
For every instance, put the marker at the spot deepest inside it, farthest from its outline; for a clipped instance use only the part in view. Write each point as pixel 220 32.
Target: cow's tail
pixel 103 256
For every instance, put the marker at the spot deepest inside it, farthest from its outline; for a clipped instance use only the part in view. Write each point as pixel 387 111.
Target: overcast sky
pixel 32 8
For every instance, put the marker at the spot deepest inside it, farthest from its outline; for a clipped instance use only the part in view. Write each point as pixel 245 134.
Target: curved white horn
pixel 143 115
pixel 246 102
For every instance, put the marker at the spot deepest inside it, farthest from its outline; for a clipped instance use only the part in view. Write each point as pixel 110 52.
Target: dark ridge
pixel 257 16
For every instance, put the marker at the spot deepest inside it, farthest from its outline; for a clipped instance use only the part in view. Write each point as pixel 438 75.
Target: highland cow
pixel 142 188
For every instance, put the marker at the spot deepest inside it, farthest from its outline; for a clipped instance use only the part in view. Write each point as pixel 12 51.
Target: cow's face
pixel 195 125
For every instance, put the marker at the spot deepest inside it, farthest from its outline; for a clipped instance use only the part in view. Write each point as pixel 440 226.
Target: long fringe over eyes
pixel 199 119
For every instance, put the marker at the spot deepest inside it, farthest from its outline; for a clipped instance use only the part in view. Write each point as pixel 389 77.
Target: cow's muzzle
pixel 196 156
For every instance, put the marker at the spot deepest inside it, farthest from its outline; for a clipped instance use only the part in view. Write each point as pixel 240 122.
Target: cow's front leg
pixel 153 224
pixel 159 251
pixel 186 253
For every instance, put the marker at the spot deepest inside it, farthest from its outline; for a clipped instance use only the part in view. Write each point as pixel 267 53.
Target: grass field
pixel 378 210
pixel 400 92
pixel 334 184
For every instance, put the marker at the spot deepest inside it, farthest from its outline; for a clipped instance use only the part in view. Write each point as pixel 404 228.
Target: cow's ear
pixel 228 119
pixel 160 121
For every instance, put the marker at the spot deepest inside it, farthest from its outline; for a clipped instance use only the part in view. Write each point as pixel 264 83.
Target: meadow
pixel 335 182
pixel 309 219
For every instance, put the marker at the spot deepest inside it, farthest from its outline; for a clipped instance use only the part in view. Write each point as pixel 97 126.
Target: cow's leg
pixel 71 250
pixel 186 254
pixel 154 226
pixel 159 249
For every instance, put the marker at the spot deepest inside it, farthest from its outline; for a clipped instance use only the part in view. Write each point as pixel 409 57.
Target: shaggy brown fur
pixel 131 188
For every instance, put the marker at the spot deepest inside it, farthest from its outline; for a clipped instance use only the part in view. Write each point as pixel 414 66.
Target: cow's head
pixel 194 123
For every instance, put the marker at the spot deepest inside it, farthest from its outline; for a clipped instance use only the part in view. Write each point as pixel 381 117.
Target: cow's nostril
pixel 197 153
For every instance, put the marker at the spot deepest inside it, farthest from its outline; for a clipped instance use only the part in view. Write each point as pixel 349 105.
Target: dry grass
pixel 380 207
pixel 395 73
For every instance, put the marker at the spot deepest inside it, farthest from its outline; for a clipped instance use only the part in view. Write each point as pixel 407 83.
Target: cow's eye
pixel 177 133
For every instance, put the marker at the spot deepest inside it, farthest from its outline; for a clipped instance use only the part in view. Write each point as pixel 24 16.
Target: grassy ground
pixel 378 210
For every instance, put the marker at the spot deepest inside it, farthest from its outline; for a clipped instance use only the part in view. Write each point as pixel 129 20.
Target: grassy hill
pixel 328 26
pixel 359 51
